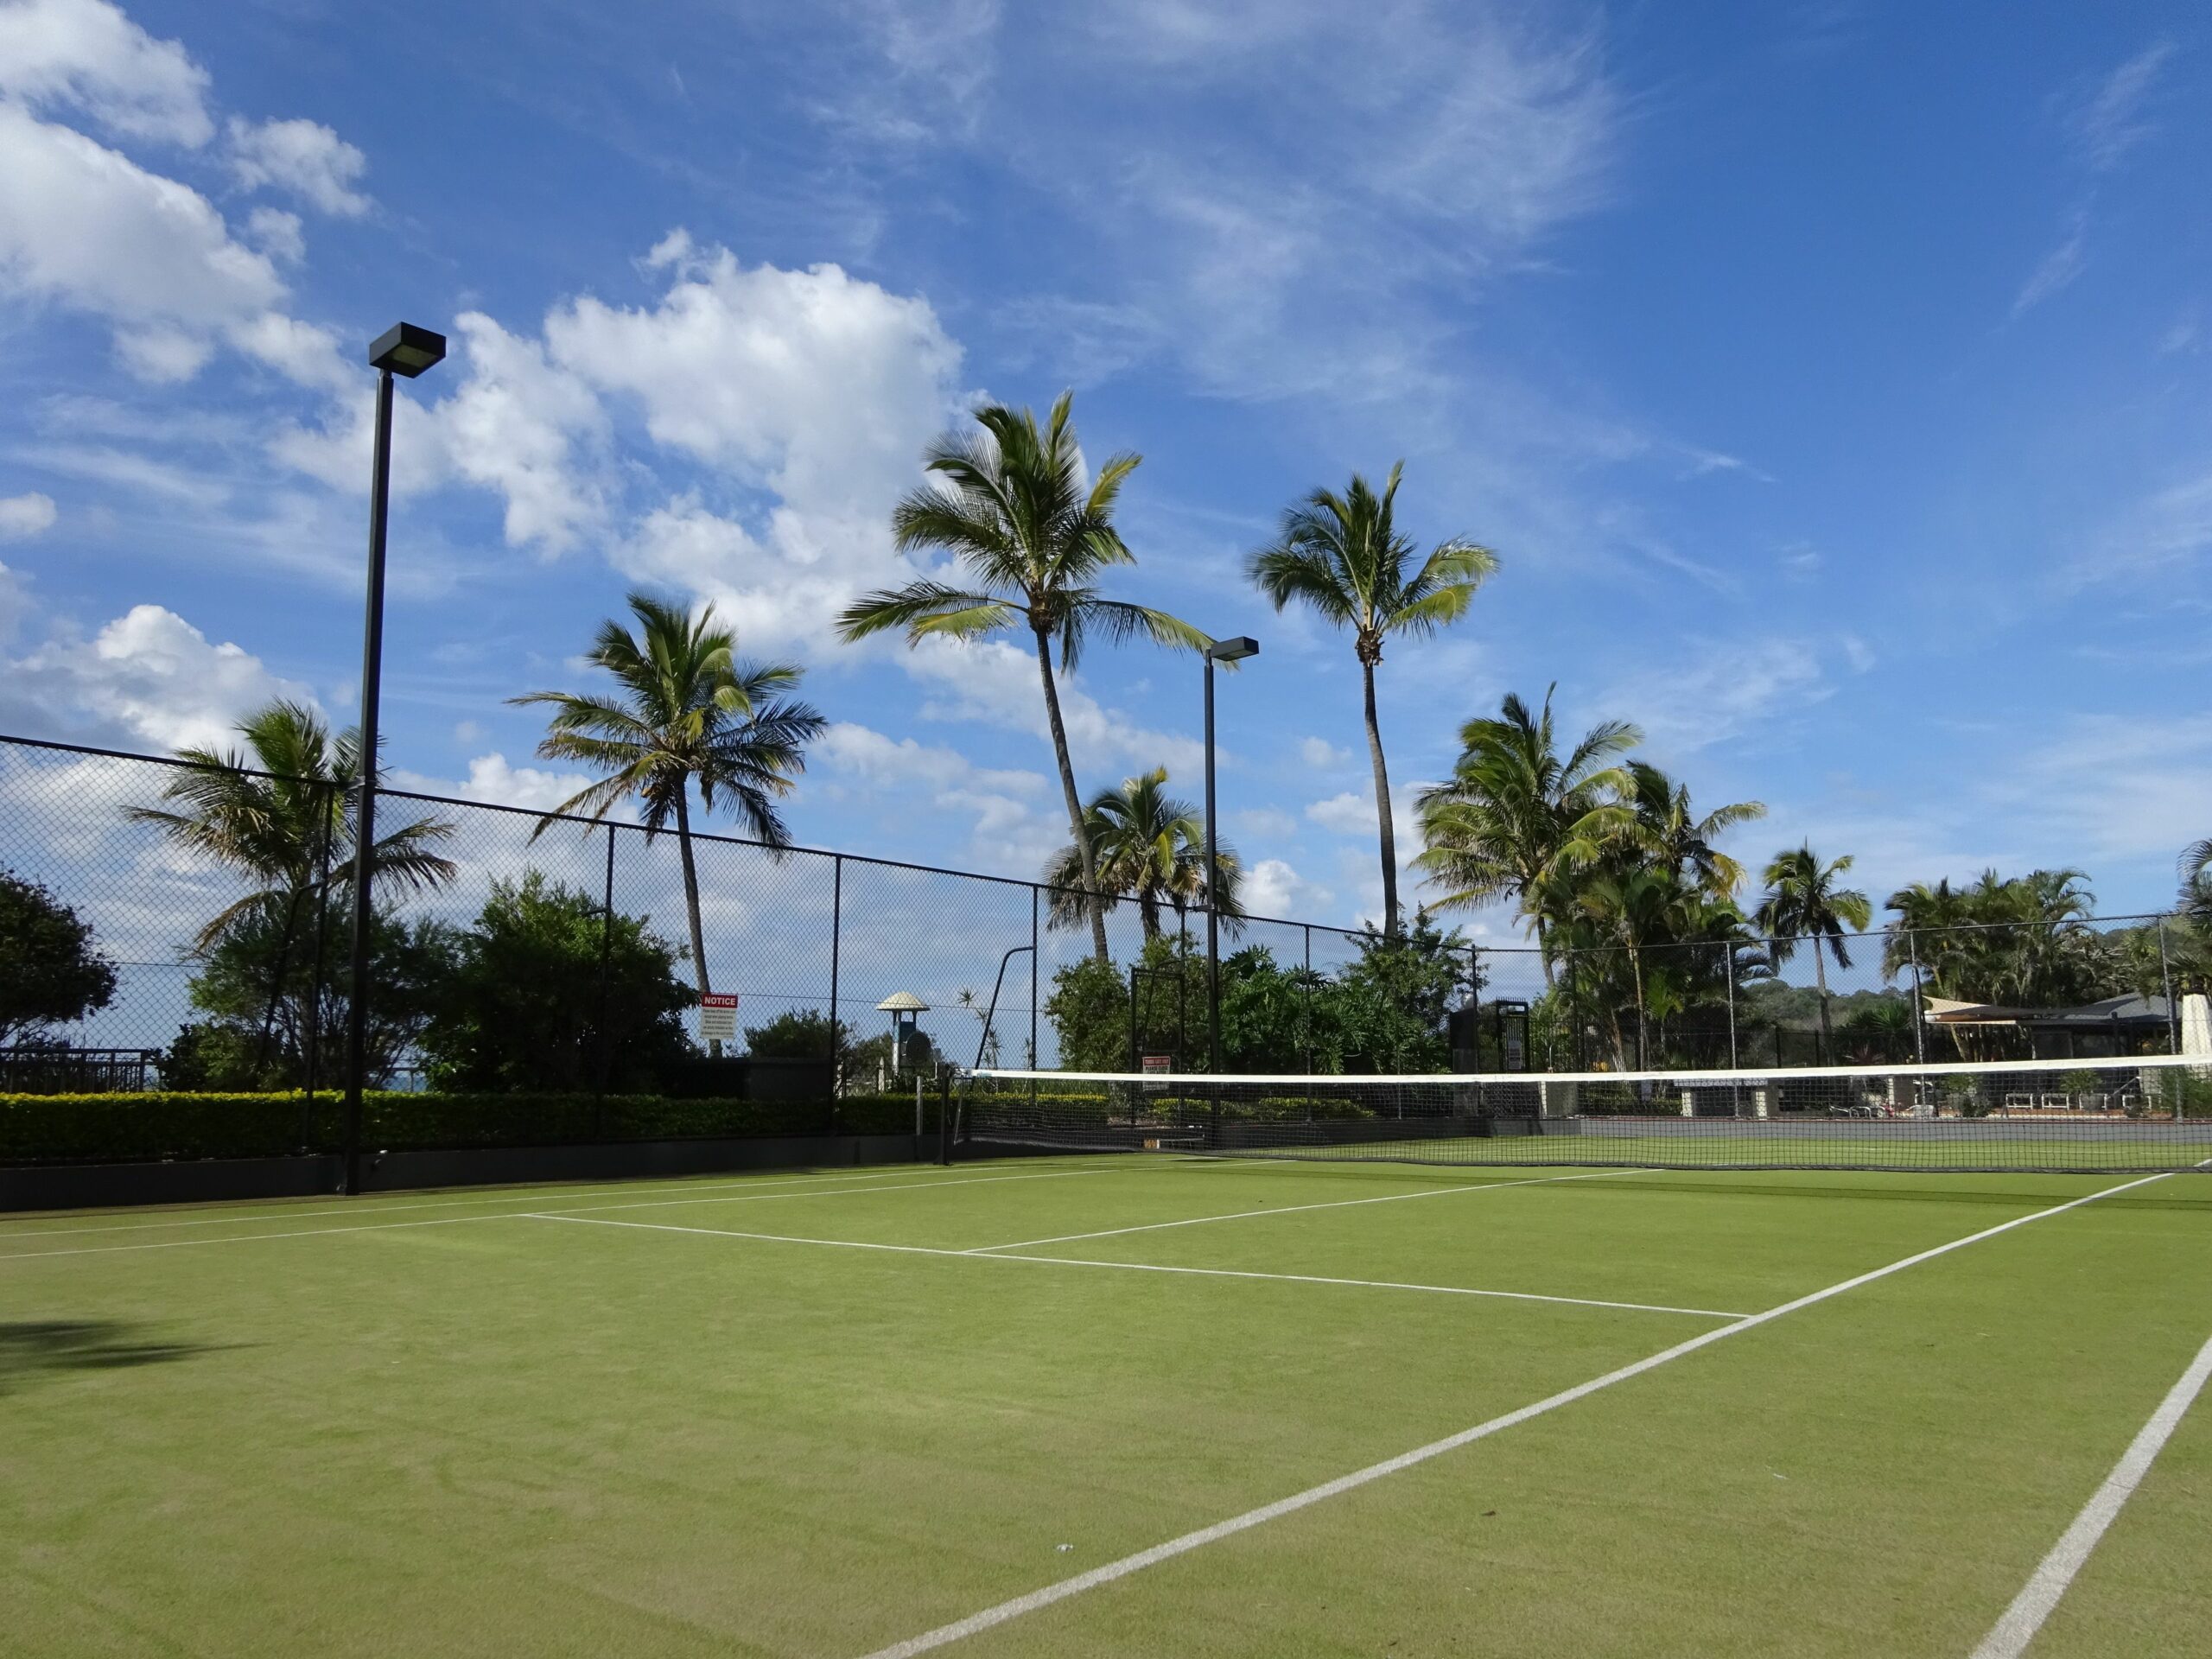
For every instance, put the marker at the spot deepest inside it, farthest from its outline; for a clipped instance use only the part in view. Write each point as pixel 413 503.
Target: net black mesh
pixel 2151 1113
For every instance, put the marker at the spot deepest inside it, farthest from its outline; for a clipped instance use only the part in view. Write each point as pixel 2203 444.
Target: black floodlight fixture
pixel 406 350
pixel 1233 650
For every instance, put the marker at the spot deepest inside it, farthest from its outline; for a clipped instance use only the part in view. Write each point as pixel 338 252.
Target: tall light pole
pixel 406 350
pixel 1222 651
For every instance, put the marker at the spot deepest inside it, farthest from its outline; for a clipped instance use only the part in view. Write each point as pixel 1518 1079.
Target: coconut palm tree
pixel 1147 845
pixel 281 815
pixel 1806 900
pixel 1666 833
pixel 1010 504
pixel 1499 827
pixel 1343 556
pixel 686 711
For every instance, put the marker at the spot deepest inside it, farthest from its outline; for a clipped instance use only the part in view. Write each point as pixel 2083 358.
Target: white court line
pixel 1294 1208
pixel 369 1204
pixel 1127 1266
pixel 990 1618
pixel 377 1226
pixel 2040 1595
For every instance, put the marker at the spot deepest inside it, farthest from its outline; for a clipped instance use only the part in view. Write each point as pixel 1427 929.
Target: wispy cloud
pixel 2111 120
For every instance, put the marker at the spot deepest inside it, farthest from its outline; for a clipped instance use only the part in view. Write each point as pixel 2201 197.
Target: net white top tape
pixel 1750 1077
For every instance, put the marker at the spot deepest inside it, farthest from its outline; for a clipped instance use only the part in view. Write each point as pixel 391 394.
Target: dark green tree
pixel 549 993
pixel 51 973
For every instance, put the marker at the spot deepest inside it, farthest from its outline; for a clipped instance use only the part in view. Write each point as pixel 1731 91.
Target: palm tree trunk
pixel 691 902
pixel 1148 913
pixel 1382 807
pixel 1820 977
pixel 1544 956
pixel 1074 801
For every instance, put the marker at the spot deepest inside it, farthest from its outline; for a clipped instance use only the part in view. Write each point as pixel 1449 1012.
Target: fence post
pixel 1306 1026
pixel 313 1034
pixel 944 1119
pixel 1919 1002
pixel 1036 899
pixel 1728 973
pixel 2166 979
pixel 605 1057
pixel 836 963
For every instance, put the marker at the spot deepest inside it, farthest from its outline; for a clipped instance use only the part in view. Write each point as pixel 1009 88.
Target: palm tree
pixel 687 710
pixel 1010 506
pixel 1805 901
pixel 1665 832
pixel 1499 828
pixel 2196 881
pixel 284 820
pixel 1342 555
pixel 1147 845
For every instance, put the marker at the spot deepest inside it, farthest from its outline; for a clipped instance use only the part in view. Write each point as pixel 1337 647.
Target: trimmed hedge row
pixel 152 1127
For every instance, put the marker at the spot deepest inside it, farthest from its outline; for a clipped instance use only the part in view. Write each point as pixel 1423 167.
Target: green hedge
pixel 134 1128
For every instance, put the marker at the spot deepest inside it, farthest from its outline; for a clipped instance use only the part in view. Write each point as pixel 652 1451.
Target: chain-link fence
pixel 535 978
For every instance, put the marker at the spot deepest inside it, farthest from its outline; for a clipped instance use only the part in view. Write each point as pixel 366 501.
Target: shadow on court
pixel 36 1349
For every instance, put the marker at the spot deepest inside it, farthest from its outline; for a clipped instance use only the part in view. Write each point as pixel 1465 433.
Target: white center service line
pixel 1124 1267
pixel 1295 1209
pixel 2040 1595
pixel 991 1618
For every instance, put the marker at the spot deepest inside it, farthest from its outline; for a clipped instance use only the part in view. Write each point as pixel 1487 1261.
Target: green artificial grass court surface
pixel 443 1424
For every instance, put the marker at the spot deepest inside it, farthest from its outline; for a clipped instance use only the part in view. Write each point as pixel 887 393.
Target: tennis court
pixel 1365 1408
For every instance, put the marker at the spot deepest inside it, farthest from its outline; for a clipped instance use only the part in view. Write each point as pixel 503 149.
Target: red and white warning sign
pixel 718 1017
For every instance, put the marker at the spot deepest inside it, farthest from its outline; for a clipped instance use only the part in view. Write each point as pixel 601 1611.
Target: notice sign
pixel 1157 1065
pixel 718 1017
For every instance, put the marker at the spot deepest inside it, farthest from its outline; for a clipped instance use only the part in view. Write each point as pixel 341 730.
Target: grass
pixel 440 1423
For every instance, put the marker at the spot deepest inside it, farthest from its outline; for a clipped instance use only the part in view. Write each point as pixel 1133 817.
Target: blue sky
pixel 1834 381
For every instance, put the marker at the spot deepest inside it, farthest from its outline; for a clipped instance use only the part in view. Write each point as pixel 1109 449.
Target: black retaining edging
pixel 92 1186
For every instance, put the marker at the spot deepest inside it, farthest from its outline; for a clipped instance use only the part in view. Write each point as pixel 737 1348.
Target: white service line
pixel 1125 1267
pixel 2010 1636
pixel 990 1618
pixel 371 1206
pixel 514 1214
pixel 1294 1208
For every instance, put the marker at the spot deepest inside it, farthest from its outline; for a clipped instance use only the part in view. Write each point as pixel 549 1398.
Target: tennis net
pixel 2152 1112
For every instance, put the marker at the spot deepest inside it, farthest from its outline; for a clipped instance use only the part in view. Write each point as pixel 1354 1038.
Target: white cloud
pixel 1319 754
pixel 993 681
pixel 304 353
pixel 87 54
pixel 2110 122
pixel 161 356
pixel 1272 887
pixel 304 157
pixel 1721 689
pixel 530 431
pixel 148 678
pixel 495 782
pixel 1268 821
pixel 23 516
pixel 85 226
pixel 276 233
pixel 2058 268
pixel 1349 813
pixel 1014 819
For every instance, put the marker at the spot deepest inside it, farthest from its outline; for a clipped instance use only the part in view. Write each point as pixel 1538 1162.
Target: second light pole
pixel 1222 651
pixel 403 349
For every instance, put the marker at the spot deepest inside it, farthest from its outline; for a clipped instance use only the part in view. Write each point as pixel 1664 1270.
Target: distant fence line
pixel 804 930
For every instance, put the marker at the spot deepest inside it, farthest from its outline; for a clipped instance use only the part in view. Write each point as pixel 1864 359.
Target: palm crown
pixel 688 711
pixel 1343 556
pixel 1502 825
pixel 285 818
pixel 1147 845
pixel 1030 540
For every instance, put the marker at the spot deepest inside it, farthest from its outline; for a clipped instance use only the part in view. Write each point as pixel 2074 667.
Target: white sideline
pixel 1294 1208
pixel 274 1213
pixel 1127 1266
pixel 512 1215
pixel 2013 1632
pixel 990 1618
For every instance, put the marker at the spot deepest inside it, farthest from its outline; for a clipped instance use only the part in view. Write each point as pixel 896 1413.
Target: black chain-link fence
pixel 534 979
